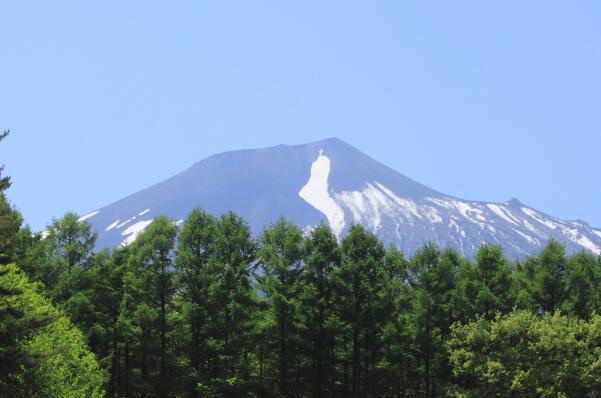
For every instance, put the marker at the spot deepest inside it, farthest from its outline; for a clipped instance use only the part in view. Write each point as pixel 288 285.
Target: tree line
pixel 209 311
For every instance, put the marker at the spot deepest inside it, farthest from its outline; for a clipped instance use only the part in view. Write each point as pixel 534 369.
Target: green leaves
pixel 65 367
pixel 524 355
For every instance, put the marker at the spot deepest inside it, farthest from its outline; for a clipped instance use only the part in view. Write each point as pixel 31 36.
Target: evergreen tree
pixel 281 255
pixel 67 252
pixel 434 280
pixel 149 291
pixel 232 320
pixel 494 277
pixel 398 357
pixel 583 285
pixel 541 281
pixel 196 269
pixel 316 307
pixel 358 287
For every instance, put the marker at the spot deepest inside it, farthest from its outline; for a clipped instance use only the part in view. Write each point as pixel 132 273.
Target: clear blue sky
pixel 478 99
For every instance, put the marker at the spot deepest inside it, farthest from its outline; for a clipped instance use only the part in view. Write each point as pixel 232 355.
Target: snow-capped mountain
pixel 330 181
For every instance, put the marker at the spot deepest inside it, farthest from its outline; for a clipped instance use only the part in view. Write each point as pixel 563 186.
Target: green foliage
pixel 65 367
pixel 196 269
pixel 525 355
pixel 583 285
pixel 360 307
pixel 494 281
pixel 149 291
pixel 541 280
pixel 281 254
pixel 10 236
pixel 318 322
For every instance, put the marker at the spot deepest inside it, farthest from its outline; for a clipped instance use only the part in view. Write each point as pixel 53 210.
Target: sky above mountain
pixel 474 99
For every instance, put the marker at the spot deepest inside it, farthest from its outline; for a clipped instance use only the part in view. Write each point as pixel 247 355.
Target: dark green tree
pixel 360 308
pixel 434 278
pixel 494 281
pixel 316 307
pixel 541 281
pixel 66 254
pixel 398 357
pixel 583 285
pixel 281 254
pixel 233 318
pixel 149 290
pixel 196 271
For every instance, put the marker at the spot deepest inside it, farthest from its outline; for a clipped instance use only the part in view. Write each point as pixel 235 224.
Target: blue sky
pixel 481 100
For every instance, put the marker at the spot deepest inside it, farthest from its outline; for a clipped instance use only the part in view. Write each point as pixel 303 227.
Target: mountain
pixel 331 181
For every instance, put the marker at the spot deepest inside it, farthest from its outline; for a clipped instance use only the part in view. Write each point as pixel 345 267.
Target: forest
pixel 207 310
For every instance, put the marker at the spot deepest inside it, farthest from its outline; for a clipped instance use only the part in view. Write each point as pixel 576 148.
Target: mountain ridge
pixel 332 181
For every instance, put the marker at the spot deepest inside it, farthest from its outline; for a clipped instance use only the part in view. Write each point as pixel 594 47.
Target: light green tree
pixel 66 369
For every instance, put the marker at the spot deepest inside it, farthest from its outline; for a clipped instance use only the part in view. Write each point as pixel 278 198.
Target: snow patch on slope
pixel 370 205
pixel 588 244
pixel 406 205
pixel 92 214
pixel 575 236
pixel 431 214
pixel 316 193
pixel 124 223
pixel 113 225
pixel 598 233
pixel 469 211
pixel 143 212
pixel 501 213
pixel 529 238
pixel 533 214
pixel 133 231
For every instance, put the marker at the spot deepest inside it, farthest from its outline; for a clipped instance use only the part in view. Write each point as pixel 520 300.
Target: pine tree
pixel 583 285
pixel 358 287
pixel 150 290
pixel 398 357
pixel 233 316
pixel 541 280
pixel 68 251
pixel 494 277
pixel 280 254
pixel 319 321
pixel 195 274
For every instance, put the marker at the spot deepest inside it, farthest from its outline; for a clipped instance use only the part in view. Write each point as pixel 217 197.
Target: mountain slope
pixel 330 181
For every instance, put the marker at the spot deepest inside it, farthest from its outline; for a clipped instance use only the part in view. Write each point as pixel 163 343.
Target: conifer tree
pixel 316 306
pixel 541 280
pixel 494 277
pixel 232 321
pixel 281 254
pixel 149 288
pixel 196 269
pixel 361 311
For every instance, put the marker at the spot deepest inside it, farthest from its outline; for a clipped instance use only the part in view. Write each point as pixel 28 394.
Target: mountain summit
pixel 330 181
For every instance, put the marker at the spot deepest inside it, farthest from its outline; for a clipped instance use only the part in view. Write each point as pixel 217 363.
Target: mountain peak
pixel 514 202
pixel 331 181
